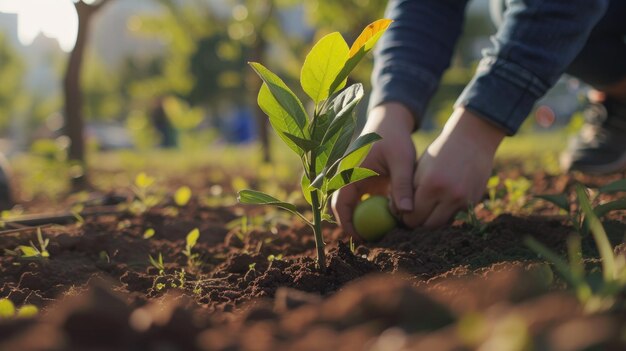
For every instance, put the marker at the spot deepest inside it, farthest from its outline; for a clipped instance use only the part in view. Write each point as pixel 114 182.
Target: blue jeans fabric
pixel 537 41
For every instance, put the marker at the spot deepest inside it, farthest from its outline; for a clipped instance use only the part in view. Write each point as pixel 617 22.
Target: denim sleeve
pixel 532 48
pixel 415 51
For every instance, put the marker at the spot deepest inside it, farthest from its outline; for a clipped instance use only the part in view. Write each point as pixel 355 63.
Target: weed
pixel 329 157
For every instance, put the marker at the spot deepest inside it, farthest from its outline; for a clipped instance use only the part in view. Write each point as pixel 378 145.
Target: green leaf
pixel 253 197
pixel 279 118
pixel 348 176
pixel 604 209
pixel 28 251
pixel 361 46
pixel 319 126
pixel 305 183
pixel 331 153
pixel 281 92
pixel 562 267
pixel 328 218
pixel 7 308
pixel 614 187
pixel 192 238
pixel 304 144
pixel 341 109
pixel 27 311
pixel 362 142
pixel 599 235
pixel 142 180
pixel 560 200
pixel 182 196
pixel 149 233
pixel 322 65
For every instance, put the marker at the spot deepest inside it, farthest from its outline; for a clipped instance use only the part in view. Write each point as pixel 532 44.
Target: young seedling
pixel 577 216
pixel 33 251
pixel 190 242
pixel 145 198
pixel 324 142
pixel 158 263
pixel 8 310
pixel 182 196
pixel 594 295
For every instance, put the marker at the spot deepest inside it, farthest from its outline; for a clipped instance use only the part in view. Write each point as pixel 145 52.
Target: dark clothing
pixel 536 42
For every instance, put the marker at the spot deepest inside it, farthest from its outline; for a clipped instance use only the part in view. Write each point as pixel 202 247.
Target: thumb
pixel 402 185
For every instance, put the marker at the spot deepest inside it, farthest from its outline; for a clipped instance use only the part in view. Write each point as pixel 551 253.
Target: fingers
pixel 441 215
pixel 343 203
pixel 402 185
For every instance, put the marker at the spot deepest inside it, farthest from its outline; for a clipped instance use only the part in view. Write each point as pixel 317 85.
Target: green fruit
pixel 372 218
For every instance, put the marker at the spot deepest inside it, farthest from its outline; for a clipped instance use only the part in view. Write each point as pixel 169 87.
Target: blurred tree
pixel 11 73
pixel 101 88
pixel 74 121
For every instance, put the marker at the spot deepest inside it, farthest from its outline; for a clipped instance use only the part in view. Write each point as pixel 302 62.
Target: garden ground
pixel 251 283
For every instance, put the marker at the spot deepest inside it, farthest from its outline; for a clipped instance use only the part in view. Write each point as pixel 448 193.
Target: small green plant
pixel 329 157
pixel 577 215
pixel 8 310
pixel 190 242
pixel 158 263
pixel 33 251
pixel 272 258
pixel 469 217
pixel 510 195
pixel 182 196
pixel 148 233
pixel 595 294
pixel 145 197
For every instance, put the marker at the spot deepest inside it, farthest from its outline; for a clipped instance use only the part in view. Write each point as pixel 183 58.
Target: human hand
pixel 453 171
pixel 393 158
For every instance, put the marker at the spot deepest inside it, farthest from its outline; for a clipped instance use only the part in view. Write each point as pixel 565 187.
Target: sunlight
pixel 54 18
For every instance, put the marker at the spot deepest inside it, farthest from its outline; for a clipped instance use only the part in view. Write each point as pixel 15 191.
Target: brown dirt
pixel 450 289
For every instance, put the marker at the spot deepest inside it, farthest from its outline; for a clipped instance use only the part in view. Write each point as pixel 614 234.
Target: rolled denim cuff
pixel 502 92
pixel 404 83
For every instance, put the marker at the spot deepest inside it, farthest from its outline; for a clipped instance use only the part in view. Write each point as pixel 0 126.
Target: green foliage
pixel 146 197
pixel 510 195
pixel 32 251
pixel 324 143
pixel 157 263
pixel 190 242
pixel 595 294
pixel 577 215
pixel 182 196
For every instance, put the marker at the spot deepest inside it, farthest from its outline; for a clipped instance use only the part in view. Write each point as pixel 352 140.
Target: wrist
pixel 466 125
pixel 391 113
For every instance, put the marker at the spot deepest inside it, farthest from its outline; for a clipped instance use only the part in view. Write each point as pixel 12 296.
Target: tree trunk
pixel 74 120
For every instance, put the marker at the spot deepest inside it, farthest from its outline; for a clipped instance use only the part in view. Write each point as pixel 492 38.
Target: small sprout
pixel 158 263
pixel 273 258
pixel 149 233
pixel 251 267
pixel 143 181
pixel 34 251
pixel 182 196
pixel 191 240
pixel 470 218
pixel 76 212
pixel 7 309
pixel 104 256
pixel 352 246
pixel 160 286
pixel 27 311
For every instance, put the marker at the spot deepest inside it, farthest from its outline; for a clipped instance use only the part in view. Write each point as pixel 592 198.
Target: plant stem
pixel 317 217
pixel 317 230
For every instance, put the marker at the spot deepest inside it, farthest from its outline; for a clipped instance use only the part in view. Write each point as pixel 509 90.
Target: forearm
pixel 415 51
pixel 532 48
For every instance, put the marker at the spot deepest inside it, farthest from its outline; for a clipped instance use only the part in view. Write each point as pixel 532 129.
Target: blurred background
pixel 171 74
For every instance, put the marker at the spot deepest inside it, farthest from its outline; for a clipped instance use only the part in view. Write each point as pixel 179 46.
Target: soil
pixel 457 288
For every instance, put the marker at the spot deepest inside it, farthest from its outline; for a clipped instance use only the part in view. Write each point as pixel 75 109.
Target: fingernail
pixel 405 205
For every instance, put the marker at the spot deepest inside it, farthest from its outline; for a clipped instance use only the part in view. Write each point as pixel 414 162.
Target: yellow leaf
pixel 27 311
pixel 368 33
pixel 182 196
